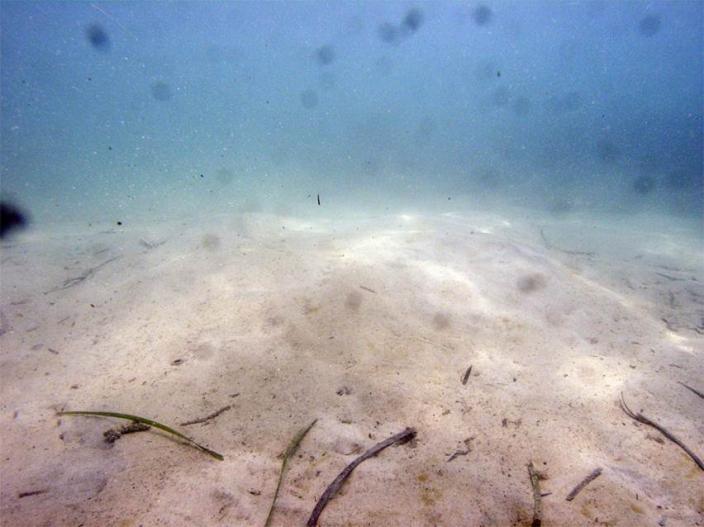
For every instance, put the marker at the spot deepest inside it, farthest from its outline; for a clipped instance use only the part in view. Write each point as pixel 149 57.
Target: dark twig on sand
pixel 537 504
pixel 586 481
pixel 466 375
pixel 696 392
pixel 642 419
pixel 458 453
pixel 368 289
pixel 400 438
pixel 30 493
pixel 207 417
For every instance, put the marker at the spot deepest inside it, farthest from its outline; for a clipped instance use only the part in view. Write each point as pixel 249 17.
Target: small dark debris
pixel 119 223
pixel 177 362
pixel 345 390
pixel 74 386
pixel 254 492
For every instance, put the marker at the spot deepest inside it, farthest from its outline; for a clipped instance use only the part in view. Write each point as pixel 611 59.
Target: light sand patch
pixel 367 325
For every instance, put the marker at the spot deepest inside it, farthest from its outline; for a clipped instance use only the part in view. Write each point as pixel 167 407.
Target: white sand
pixel 271 309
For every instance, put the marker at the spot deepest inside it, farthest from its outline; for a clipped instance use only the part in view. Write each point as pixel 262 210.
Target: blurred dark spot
pixel 161 91
pixel 500 96
pixel 531 282
pixel 644 185
pixel 560 206
pixel 325 55
pixel 596 8
pixel 441 321
pixel 309 99
pixel 677 179
pixel 353 301
pixel 607 151
pixel 570 102
pixel 482 15
pixel 354 25
pixel 371 167
pixel 119 223
pixel 649 25
pixel 11 218
pixel 568 50
pixel 224 176
pixel 388 33
pixel 98 38
pixel 210 242
pixel 413 20
pixel 488 177
pixel 424 130
pixel 521 106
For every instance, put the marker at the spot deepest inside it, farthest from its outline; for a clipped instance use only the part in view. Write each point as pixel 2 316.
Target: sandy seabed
pixel 367 325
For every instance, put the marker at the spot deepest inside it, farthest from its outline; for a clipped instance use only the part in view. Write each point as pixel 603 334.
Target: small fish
pixel 318 199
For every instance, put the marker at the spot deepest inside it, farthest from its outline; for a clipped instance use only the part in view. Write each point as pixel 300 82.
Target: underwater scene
pixel 352 263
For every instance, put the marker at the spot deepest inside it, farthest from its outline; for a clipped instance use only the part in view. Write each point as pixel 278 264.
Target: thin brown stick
pixel 208 417
pixel 537 505
pixel 369 289
pixel 696 392
pixel 586 481
pixel 642 419
pixel 400 438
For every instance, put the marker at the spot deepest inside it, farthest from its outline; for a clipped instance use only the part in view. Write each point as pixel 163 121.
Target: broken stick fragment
pixel 207 417
pixel 586 481
pixel 466 375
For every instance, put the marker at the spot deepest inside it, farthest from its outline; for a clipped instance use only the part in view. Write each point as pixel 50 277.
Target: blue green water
pixel 120 110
